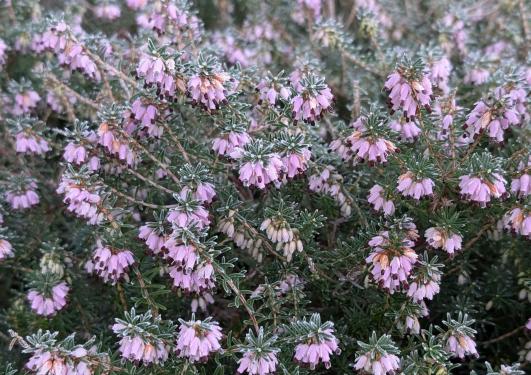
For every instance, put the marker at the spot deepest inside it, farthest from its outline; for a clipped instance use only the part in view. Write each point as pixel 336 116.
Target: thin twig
pixel 121 296
pixel 502 337
pixel 149 155
pixel 174 138
pixel 150 182
pixel 525 26
pixel 361 64
pixel 140 203
pixel 221 271
pixel 78 96
pixel 145 292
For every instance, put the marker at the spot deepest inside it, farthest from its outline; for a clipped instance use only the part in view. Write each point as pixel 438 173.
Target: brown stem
pixel 150 182
pixel 242 299
pixel 221 271
pixel 145 292
pixel 502 337
pixel 174 138
pixel 121 295
pixel 149 155
pixel 525 26
pixel 51 77
pixel 472 241
pixel 361 64
pixel 140 203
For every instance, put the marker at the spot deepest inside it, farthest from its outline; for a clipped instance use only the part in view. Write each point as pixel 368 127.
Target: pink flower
pixel 446 108
pixel 182 257
pixel 6 250
pixel 201 302
pixel 440 74
pixel 48 305
pixel 312 353
pixel 413 324
pixel 31 143
pixel 111 264
pixel 424 287
pixel 521 185
pixel 188 212
pixel 391 266
pixel 460 345
pixel 226 144
pixel 107 11
pixel 458 32
pixel 495 119
pixel 24 198
pixel 477 76
pixel 254 364
pixel 3 53
pixel 441 238
pixel 69 53
pixel 55 362
pixel 198 339
pixel 260 171
pixel 25 102
pixel 408 95
pixel 75 153
pixel 81 201
pixel 208 91
pixel 136 4
pixel 519 221
pixel 139 349
pixel 408 130
pixel 387 363
pixel 296 163
pixel 199 280
pixel 170 20
pixel 378 199
pixel 115 145
pixel 480 190
pixel 204 192
pixel 411 186
pixel 329 182
pixel 146 114
pixel 363 144
pixel 161 73
pixel 270 91
pixel 314 99
pixel 154 239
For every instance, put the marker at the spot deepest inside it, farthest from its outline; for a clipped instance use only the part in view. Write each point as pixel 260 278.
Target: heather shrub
pixel 259 187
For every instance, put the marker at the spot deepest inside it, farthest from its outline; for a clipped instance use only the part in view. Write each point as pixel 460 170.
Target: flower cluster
pixel 48 294
pixel 379 356
pixel 259 354
pixel 317 342
pixel 198 339
pixel 493 116
pixel 409 89
pixel 80 197
pixel 141 338
pixel 459 336
pixel 329 182
pixel 69 51
pixel 260 166
pixel 367 142
pixel 312 101
pixel 109 263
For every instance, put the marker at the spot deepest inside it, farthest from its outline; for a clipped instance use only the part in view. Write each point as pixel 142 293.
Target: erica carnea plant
pixel 265 187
